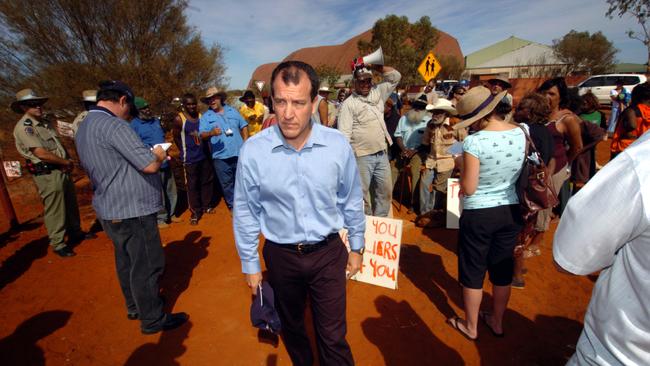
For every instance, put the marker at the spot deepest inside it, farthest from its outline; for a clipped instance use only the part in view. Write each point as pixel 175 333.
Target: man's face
pixel 553 96
pixel 145 113
pixel 215 102
pixel 250 102
pixel 293 107
pixel 341 96
pixel 496 88
pixel 438 116
pixel 388 106
pixel 429 87
pixel 33 108
pixel 190 105
pixel 363 84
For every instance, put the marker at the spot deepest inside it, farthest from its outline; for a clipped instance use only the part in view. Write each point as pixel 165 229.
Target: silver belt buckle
pixel 300 247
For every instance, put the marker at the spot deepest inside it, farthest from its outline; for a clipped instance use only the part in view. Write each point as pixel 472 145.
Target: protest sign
pixel 12 168
pixel 454 203
pixel 383 239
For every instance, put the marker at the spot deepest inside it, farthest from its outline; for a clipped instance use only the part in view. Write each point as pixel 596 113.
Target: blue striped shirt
pixel 296 196
pixel 113 156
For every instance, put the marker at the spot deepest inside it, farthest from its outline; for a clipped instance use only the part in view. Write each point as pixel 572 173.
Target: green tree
pixel 450 67
pixel 328 74
pixel 404 44
pixel 584 52
pixel 639 9
pixel 61 47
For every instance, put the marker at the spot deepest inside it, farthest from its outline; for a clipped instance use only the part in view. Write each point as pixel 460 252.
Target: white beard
pixel 415 116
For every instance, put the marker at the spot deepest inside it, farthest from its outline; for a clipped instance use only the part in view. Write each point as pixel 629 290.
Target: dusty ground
pixel 70 311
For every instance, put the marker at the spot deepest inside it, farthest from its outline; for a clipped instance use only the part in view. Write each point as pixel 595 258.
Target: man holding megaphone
pixel 361 120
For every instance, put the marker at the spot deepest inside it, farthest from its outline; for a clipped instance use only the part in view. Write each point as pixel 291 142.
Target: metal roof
pixel 493 51
pixel 528 55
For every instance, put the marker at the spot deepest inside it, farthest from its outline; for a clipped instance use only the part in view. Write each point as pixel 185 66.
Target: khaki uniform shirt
pixel 440 138
pixel 77 120
pixel 361 119
pixel 30 133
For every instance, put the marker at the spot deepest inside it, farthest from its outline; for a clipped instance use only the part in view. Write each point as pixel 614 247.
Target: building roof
pixel 493 51
pixel 528 55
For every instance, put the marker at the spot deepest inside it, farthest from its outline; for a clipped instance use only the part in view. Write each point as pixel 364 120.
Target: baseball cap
pixel 122 88
pixel 263 313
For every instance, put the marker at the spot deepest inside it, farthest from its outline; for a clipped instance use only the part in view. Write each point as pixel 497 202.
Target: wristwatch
pixel 359 251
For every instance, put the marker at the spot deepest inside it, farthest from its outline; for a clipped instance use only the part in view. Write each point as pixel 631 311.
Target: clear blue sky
pixel 258 32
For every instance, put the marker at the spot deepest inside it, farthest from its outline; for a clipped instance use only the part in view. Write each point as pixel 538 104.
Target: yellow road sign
pixel 430 67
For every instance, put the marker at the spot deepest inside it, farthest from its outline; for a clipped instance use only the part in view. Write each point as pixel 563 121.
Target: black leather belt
pixel 304 248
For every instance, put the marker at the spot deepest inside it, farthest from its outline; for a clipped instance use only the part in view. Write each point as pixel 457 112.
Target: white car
pixel 602 85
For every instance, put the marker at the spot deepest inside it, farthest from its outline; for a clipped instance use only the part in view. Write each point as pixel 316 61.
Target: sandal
pixel 483 315
pixel 453 322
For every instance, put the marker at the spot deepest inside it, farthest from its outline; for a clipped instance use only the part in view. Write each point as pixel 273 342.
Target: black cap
pixel 263 313
pixel 122 88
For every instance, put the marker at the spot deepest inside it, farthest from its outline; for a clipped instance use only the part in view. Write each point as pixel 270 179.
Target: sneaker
pixel 163 225
pixel 518 283
pixel 175 219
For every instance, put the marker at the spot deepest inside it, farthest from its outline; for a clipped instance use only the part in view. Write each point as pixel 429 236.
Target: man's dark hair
pixel 560 84
pixel 502 109
pixel 640 94
pixel 538 107
pixel 290 73
pixel 590 103
pixel 110 95
pixel 187 96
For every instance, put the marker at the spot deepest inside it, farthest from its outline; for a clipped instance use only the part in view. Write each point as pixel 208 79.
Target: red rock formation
pixel 340 56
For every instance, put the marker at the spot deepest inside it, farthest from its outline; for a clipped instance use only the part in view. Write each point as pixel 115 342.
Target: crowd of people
pixel 298 167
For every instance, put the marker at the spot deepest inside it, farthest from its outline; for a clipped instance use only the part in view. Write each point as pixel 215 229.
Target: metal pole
pixel 5 201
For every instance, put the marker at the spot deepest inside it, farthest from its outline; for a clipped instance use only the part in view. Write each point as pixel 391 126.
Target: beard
pixel 415 116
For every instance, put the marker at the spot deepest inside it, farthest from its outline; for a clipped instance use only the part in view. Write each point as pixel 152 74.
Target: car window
pixel 631 80
pixel 591 82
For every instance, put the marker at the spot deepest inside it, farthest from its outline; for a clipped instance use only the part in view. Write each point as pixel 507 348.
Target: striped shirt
pixel 113 156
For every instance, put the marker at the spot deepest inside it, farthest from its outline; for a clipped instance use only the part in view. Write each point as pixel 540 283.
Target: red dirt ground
pixel 70 311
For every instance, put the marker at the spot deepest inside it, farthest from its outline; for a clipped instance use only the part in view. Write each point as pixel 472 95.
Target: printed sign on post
pixel 381 259
pixel 454 203
pixel 64 129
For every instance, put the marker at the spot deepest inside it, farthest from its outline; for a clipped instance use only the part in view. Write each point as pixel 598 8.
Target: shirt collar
pixel 101 109
pixel 315 137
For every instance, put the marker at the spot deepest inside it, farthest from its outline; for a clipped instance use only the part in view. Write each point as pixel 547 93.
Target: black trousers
pixel 140 260
pixel 321 276
pixel 200 179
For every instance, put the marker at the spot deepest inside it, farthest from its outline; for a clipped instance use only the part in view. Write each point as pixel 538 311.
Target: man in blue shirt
pixel 227 131
pixel 151 133
pixel 126 198
pixel 298 183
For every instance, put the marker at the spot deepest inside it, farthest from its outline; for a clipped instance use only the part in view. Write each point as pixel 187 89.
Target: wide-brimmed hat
pixel 89 96
pixel 248 95
pixel 26 95
pixel 501 79
pixel 324 89
pixel 420 101
pixel 477 103
pixel 443 105
pixel 211 92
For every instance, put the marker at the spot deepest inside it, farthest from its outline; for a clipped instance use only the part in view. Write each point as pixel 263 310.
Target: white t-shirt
pixel 606 226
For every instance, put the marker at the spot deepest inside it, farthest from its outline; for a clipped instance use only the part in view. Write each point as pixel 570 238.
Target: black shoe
pixel 132 316
pixel 172 321
pixel 81 236
pixel 65 252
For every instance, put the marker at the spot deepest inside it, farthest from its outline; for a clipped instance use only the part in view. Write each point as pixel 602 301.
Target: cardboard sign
pixel 12 168
pixel 383 240
pixel 64 129
pixel 454 203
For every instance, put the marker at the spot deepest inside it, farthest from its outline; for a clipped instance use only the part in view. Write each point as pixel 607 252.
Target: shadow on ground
pixel 19 262
pixel 20 347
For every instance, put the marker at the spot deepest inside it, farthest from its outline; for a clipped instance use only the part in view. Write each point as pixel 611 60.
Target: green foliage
pixel 584 52
pixel 404 44
pixel 639 9
pixel 61 47
pixel 328 74
pixel 451 67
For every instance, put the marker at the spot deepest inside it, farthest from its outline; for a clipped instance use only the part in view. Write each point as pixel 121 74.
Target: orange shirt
pixel 622 139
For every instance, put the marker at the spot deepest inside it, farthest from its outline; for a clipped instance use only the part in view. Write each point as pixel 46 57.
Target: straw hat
pixel 477 103
pixel 324 89
pixel 26 95
pixel 443 105
pixel 89 96
pixel 211 92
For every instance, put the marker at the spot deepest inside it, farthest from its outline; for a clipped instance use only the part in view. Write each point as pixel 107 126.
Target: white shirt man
pixel 606 226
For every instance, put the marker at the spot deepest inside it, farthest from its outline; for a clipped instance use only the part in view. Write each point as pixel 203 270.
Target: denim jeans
pixel 613 117
pixel 226 170
pixel 139 260
pixel 169 194
pixel 376 182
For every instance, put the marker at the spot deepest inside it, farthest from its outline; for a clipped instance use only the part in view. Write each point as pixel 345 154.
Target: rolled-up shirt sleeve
pixel 600 219
pixel 350 200
pixel 391 79
pixel 246 213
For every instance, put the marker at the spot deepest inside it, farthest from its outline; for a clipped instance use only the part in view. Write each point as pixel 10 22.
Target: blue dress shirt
pixel 296 196
pixel 223 146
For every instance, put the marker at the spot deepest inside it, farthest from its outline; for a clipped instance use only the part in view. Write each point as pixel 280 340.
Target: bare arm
pixel 154 166
pixel 574 136
pixel 177 126
pixel 469 174
pixel 244 133
pixel 322 112
pixel 48 157
pixel 215 132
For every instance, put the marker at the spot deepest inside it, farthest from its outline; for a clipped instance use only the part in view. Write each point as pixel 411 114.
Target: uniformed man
pixel 89 99
pixel 50 165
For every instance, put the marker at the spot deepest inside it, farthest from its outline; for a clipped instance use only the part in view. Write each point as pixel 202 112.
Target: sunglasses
pixel 364 81
pixel 33 104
